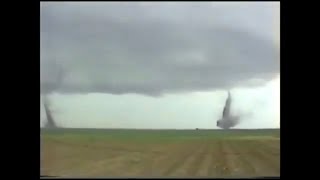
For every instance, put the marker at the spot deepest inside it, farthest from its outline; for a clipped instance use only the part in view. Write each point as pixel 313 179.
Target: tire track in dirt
pixel 136 163
pixel 192 163
pixel 245 150
pixel 75 160
pixel 241 166
pixel 80 160
pixel 204 167
pixel 139 163
pixel 227 163
pixel 198 165
pixel 186 155
pixel 156 164
pixel 106 167
pixel 124 164
pixel 227 160
pixel 148 168
pixel 212 167
pixel 269 156
pixel 261 163
pixel 91 164
pixel 217 159
pixel 273 146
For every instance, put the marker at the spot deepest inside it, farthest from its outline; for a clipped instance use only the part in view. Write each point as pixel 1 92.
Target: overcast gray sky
pixel 159 64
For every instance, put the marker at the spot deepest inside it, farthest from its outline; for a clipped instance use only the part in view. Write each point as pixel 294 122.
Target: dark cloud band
pixel 128 49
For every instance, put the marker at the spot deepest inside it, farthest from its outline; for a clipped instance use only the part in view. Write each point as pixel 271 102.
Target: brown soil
pixel 194 158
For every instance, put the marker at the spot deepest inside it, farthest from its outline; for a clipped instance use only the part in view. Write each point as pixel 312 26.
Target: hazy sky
pixel 160 65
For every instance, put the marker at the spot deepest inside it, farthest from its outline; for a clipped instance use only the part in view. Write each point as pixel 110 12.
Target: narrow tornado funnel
pixel 51 79
pixel 50 121
pixel 227 121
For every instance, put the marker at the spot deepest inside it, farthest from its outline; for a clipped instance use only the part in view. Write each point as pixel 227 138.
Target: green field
pixel 160 153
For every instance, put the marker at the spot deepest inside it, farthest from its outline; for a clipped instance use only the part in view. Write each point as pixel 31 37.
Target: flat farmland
pixel 160 153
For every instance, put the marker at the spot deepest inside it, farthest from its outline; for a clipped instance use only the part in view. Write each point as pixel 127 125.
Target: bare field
pixel 160 153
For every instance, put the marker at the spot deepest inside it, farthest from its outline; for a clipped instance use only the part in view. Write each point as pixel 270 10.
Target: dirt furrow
pixel 193 163
pixel 272 146
pixel 270 157
pixel 261 164
pixel 195 157
pixel 182 158
pixel 204 164
pixel 150 167
pixel 217 159
pixel 93 164
pixel 242 167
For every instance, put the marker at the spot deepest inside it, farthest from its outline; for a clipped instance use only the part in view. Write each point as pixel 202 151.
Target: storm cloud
pixel 156 48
